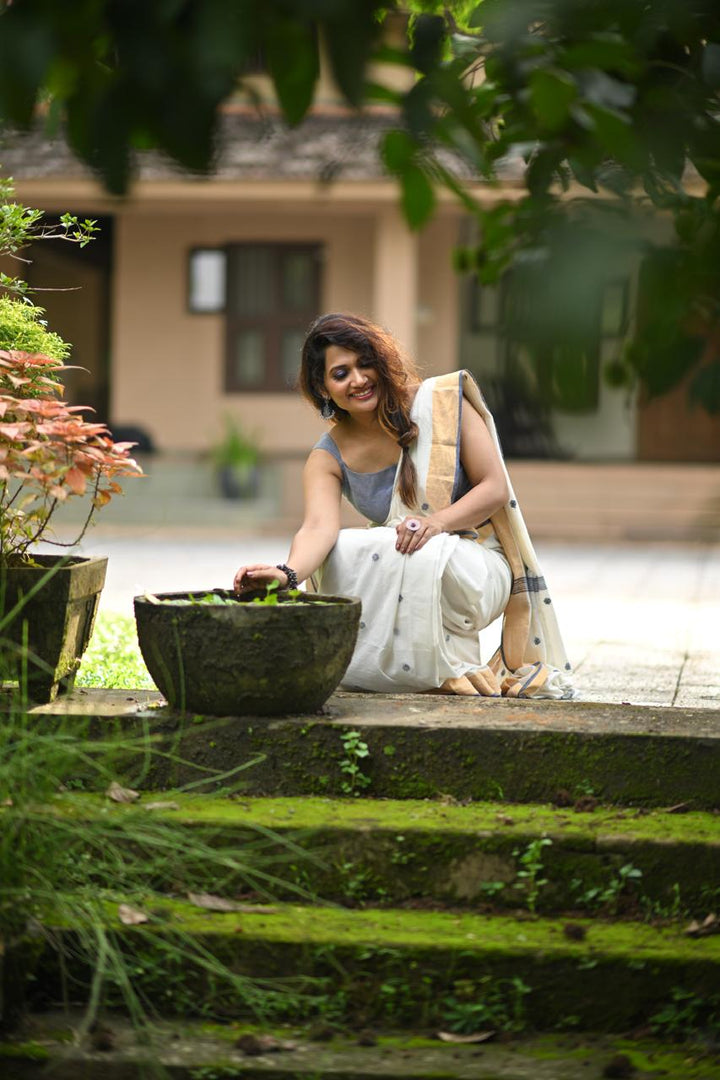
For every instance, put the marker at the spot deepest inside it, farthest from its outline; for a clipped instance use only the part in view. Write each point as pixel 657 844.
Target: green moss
pixel 411 968
pixel 27 1051
pixel 419 930
pixel 449 852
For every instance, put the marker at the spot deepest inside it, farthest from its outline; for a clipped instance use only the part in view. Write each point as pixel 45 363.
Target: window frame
pixel 273 324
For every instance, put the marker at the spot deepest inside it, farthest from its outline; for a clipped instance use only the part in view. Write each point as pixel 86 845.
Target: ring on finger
pixel 412 525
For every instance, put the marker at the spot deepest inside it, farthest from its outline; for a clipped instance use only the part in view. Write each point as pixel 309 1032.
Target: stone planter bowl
pixel 245 659
pixel 60 597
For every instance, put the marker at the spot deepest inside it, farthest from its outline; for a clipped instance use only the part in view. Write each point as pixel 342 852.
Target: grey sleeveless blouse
pixel 371 493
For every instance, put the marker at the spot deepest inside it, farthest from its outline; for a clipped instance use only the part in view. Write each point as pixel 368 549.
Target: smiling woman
pixel 449 553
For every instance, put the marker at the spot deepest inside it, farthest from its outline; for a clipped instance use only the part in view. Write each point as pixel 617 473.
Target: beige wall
pixel 168 363
pixel 167 370
pixel 438 312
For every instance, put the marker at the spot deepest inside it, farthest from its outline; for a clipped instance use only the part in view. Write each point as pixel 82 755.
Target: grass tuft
pixel 113 659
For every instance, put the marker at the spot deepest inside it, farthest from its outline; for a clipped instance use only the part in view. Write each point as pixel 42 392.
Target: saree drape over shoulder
pixel 423 613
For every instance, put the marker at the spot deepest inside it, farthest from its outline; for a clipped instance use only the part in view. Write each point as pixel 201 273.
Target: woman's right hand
pixel 258 575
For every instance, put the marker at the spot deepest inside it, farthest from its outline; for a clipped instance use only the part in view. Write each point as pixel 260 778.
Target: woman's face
pixel 351 380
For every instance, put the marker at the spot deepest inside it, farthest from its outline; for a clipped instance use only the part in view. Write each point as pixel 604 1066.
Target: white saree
pixel 422 614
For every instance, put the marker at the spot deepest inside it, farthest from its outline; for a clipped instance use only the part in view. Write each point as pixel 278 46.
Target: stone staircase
pixel 523 873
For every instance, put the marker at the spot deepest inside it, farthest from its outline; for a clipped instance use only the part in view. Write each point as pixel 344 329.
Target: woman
pixel 449 553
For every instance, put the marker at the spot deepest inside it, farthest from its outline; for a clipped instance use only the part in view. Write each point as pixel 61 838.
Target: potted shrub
pixel 235 457
pixel 223 655
pixel 48 454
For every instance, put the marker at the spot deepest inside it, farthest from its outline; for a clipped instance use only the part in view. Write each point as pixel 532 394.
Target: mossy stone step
pixel 393 851
pixel 422 746
pixel 195 1051
pixel 396 967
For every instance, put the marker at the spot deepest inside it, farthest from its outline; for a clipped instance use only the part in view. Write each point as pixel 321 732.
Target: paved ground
pixel 641 622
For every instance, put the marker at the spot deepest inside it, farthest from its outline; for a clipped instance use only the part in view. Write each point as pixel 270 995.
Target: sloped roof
pixel 327 146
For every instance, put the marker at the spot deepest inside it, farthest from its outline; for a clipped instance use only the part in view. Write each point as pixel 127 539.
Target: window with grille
pixel 272 296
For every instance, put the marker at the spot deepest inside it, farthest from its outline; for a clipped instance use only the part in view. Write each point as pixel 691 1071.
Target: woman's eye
pixel 340 374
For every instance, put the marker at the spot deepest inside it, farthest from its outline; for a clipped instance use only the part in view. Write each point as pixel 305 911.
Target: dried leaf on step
pixel 709 925
pixel 477 1037
pixel 162 806
pixel 219 903
pixel 254 1045
pixel 121 794
pixel 212 903
pixel 130 916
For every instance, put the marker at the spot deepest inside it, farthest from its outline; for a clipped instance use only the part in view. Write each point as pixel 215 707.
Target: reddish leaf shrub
pixel 48 454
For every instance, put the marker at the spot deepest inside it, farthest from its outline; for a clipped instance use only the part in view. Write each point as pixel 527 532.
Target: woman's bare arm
pixel 316 536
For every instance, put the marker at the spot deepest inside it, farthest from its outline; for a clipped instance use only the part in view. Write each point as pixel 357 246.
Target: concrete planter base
pixel 56 621
pixel 244 659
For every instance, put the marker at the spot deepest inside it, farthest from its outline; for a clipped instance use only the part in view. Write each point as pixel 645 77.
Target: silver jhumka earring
pixel 327 409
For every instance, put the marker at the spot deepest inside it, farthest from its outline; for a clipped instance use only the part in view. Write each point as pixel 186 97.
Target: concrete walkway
pixel 641 622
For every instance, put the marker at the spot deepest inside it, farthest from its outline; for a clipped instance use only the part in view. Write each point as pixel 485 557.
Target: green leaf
pixel 418 197
pixel 607 51
pixel 292 58
pixel 705 388
pixel 398 151
pixel 552 93
pixel 428 35
pixel 614 131
pixel 350 36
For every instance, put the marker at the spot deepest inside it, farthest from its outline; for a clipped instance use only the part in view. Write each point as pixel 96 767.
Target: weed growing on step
pixel 686 1014
pixel 484 1004
pixel 490 889
pixel 529 876
pixel 607 897
pixel 359 883
pixel 354 749
pixel 672 908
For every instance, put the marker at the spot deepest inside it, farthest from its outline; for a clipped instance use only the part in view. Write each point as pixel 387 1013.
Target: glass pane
pixel 612 318
pixel 249 357
pixel 291 348
pixel 252 281
pixel 298 281
pixel 207 281
pixel 485 307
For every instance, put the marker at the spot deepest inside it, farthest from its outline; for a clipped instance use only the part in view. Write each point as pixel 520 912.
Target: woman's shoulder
pixel 330 457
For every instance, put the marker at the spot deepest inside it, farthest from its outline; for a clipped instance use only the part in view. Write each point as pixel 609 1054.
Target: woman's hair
pixel 396 374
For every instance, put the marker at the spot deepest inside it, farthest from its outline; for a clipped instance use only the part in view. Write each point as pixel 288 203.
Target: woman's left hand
pixel 414 532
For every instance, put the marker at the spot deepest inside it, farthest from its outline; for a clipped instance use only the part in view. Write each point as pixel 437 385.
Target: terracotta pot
pixel 245 659
pixel 56 621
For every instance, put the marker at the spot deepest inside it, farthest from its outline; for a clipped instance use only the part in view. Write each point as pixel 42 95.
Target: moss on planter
pixel 239 658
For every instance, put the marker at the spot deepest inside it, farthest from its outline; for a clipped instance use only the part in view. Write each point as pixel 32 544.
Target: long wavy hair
pixel 396 373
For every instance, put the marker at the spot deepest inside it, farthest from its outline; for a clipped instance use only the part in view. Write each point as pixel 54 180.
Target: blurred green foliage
pixel 604 113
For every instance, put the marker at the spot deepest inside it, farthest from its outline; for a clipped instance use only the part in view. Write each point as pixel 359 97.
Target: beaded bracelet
pixel 292 581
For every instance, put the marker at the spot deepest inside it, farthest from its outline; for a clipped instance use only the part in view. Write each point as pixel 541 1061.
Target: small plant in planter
pixel 48 454
pixel 270 654
pixel 236 458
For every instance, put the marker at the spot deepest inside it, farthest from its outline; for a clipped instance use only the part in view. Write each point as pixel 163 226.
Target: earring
pixel 327 409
